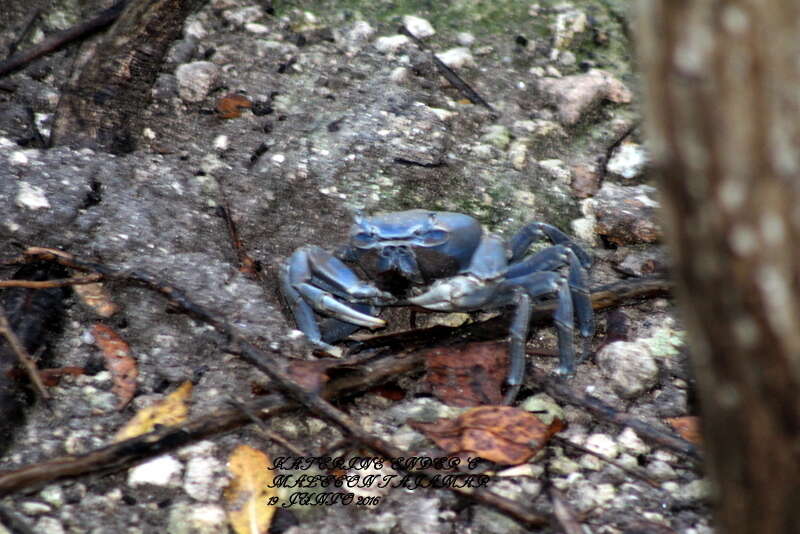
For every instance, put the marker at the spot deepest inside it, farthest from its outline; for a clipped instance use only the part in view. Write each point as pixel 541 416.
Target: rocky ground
pixel 346 114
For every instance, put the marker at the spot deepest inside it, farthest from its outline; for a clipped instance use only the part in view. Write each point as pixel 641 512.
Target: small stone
pixel 458 57
pixel 53 495
pixel 602 444
pixel 31 197
pixel 632 443
pixel 642 263
pixel 221 142
pixel 161 471
pixel 465 39
pixel 18 157
pixel 628 161
pixel 566 26
pixel 567 58
pixel 563 466
pixel 542 402
pixel 205 478
pixel 390 44
pixel 196 79
pixel 660 471
pixel 573 96
pixel 359 35
pixel 629 366
pixel 400 75
pixel 585 181
pixel 255 27
pixel 418 27
pixel 34 508
pixel 626 214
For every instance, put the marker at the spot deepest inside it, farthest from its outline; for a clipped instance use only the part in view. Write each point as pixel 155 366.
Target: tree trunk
pixel 722 86
pixel 112 77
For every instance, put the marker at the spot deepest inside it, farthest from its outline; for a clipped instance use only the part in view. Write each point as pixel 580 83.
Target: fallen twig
pixel 565 514
pixel 60 39
pixel 449 74
pixel 46 284
pixel 633 472
pixel 22 355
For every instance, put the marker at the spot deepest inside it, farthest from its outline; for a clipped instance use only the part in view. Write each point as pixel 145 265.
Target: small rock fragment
pixel 566 26
pixel 629 366
pixel 390 44
pixel 418 27
pixel 628 161
pixel 358 35
pixel 602 444
pixel 31 197
pixel 458 57
pixel 585 181
pixel 626 214
pixel 573 96
pixel 465 39
pixel 161 471
pixel 196 79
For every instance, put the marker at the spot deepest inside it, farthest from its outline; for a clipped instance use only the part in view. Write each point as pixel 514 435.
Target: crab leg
pixel 535 231
pixel 551 259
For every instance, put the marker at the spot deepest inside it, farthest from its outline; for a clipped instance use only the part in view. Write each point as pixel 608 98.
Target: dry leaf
pixel 688 427
pixel 501 434
pixel 467 375
pixel 119 361
pixel 231 106
pixel 96 297
pixel 51 377
pixel 170 411
pixel 248 496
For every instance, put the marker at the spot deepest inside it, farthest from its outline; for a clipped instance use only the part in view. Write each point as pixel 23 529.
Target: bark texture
pixel 723 106
pixel 111 80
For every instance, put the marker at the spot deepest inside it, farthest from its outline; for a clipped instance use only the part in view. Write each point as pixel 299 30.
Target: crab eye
pixel 364 239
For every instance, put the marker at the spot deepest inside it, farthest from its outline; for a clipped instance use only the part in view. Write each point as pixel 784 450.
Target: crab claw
pixel 447 295
pixel 344 312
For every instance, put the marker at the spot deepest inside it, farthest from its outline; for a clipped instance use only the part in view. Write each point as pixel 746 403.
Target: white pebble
pixel 161 471
pixel 390 44
pixel 458 57
pixel 418 27
pixel 31 197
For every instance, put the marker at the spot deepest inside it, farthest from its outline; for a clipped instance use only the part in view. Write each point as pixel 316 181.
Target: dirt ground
pixel 346 115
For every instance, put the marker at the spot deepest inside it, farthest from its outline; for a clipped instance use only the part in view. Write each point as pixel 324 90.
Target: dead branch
pixel 46 284
pixel 22 355
pixel 61 39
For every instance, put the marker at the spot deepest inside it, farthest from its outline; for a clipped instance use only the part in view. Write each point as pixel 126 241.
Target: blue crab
pixel 440 261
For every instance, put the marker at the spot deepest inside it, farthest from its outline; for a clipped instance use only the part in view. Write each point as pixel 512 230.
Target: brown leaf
pixel 231 106
pixel 467 375
pixel 688 427
pixel 501 434
pixel 96 297
pixel 248 495
pixel 170 411
pixel 51 377
pixel 119 361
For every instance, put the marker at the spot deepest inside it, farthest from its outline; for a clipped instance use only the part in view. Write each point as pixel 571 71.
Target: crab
pixel 441 261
